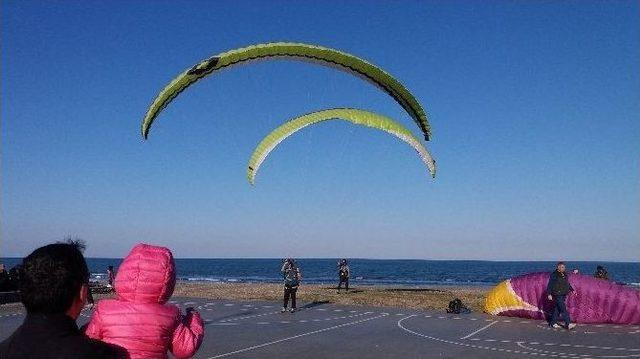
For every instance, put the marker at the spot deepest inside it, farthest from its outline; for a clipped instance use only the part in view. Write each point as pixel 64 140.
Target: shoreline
pixel 432 297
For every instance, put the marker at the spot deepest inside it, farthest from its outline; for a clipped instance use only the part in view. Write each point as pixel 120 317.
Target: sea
pixel 393 272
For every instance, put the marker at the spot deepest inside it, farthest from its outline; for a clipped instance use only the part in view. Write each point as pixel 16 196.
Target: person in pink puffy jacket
pixel 139 318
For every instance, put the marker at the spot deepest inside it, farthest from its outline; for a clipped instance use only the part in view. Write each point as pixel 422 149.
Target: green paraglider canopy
pixel 355 116
pixel 294 51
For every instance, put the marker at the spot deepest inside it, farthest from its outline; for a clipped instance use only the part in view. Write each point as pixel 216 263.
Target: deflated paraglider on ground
pixel 355 116
pixel 294 51
pixel 594 300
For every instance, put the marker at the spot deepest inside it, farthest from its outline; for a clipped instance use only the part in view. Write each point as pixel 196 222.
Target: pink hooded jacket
pixel 139 319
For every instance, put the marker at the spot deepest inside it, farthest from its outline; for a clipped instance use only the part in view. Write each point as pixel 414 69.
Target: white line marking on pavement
pixel 248 316
pixel 296 336
pixel 479 330
pixel 469 345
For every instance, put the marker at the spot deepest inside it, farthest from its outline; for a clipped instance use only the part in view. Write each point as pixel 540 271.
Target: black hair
pixel 52 276
pixel 560 264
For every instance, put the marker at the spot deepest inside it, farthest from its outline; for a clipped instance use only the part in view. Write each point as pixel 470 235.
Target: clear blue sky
pixel 534 107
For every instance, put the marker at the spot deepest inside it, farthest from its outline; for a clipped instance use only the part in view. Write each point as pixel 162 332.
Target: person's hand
pixel 550 297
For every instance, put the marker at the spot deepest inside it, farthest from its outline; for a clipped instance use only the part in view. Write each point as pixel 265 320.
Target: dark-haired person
pixel 53 288
pixel 291 273
pixel 14 277
pixel 557 290
pixel 111 276
pixel 601 273
pixel 5 283
pixel 343 274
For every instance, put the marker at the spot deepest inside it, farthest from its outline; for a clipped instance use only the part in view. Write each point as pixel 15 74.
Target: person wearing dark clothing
pixel 54 336
pixel 291 274
pixel 14 277
pixel 557 290
pixel 111 276
pixel 343 274
pixel 53 288
pixel 601 273
pixel 5 282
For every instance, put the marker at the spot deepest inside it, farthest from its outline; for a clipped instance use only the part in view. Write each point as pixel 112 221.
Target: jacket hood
pixel 147 275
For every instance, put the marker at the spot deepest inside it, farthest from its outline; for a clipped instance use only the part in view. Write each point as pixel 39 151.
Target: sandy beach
pixel 431 297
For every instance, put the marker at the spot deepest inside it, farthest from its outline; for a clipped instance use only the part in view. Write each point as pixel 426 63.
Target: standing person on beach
pixel 343 274
pixel 54 285
pixel 292 277
pixel 4 279
pixel 111 276
pixel 557 290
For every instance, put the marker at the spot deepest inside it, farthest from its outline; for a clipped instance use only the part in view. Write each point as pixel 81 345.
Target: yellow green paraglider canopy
pixel 355 116
pixel 295 51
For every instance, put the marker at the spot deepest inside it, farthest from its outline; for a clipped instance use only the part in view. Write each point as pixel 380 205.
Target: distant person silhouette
pixel 111 276
pixel 601 273
pixel 343 274
pixel 292 277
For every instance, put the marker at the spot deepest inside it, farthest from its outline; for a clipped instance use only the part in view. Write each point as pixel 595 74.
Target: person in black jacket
pixel 343 274
pixel 53 288
pixel 601 273
pixel 4 279
pixel 557 290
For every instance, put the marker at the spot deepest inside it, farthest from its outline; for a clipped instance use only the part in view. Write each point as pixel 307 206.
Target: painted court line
pixel 479 330
pixel 469 345
pixel 248 317
pixel 295 337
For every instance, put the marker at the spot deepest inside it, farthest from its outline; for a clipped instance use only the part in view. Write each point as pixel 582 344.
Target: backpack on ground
pixel 457 307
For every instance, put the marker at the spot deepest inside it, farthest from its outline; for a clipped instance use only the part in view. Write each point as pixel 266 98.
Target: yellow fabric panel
pixel 502 298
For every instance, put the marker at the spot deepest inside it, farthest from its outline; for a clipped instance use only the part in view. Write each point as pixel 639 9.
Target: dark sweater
pixel 54 336
pixel 558 284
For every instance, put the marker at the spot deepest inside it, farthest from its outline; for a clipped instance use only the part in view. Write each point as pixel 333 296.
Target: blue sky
pixel 534 107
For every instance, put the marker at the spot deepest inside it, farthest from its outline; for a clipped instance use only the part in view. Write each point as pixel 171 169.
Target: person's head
pixel 576 271
pixel 146 275
pixel 2 268
pixel 560 267
pixel 600 269
pixel 54 279
pixel 110 268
